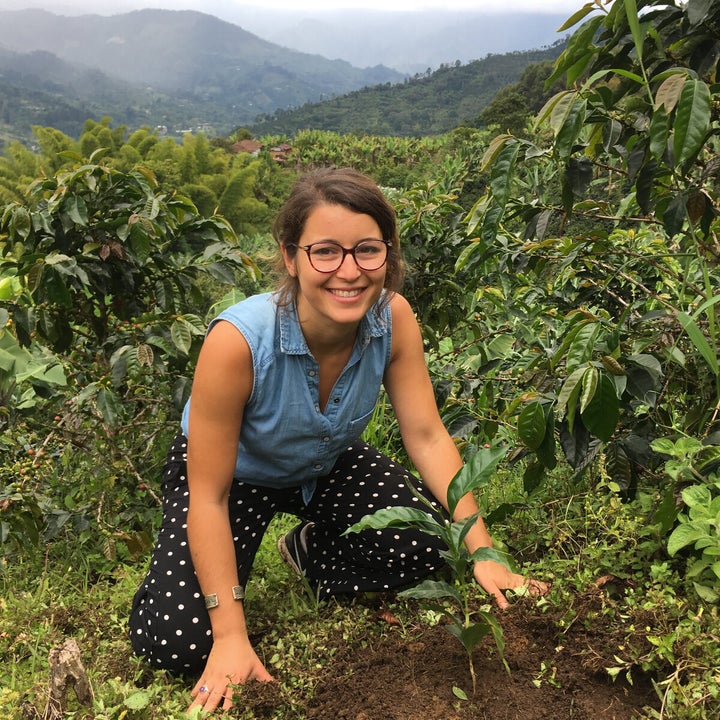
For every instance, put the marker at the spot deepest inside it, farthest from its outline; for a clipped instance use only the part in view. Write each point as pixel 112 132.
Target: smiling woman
pixel 285 384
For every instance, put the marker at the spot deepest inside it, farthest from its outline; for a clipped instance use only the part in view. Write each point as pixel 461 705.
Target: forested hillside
pixel 177 68
pixel 430 104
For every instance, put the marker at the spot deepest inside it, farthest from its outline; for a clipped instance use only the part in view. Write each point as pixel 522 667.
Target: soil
pixel 553 675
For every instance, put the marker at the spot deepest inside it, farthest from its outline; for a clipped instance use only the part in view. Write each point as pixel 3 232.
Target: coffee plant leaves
pixel 700 341
pixel 692 120
pixel 546 451
pixel 431 590
pixel 602 413
pixel 582 345
pixel 474 474
pixel 470 635
pixel 531 425
pixel 574 441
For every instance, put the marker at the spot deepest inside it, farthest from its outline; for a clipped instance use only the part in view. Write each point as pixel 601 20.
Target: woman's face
pixel 345 295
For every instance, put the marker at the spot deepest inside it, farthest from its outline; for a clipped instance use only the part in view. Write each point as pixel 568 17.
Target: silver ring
pixel 203 689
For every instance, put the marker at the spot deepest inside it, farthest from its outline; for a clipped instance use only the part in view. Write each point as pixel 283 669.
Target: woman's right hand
pixel 232 661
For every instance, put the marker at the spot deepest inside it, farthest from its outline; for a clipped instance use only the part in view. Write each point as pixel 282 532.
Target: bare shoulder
pixel 403 316
pixel 225 359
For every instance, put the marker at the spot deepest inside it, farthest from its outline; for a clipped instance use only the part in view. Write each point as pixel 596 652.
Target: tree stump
pixel 66 669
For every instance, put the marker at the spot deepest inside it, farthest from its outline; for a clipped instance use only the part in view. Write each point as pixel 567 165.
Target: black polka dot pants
pixel 169 624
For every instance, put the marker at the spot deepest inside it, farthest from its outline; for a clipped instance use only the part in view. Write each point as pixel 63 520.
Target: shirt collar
pixel 292 340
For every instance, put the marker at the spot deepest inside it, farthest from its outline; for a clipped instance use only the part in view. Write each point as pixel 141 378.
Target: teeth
pixel 347 293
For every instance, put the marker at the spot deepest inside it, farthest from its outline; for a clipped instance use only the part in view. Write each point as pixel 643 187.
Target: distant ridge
pixel 429 104
pixel 195 58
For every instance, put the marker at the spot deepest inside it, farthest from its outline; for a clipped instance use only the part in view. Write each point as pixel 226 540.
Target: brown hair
pixel 335 186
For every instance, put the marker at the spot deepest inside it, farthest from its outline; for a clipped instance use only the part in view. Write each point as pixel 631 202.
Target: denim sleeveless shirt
pixel 286 440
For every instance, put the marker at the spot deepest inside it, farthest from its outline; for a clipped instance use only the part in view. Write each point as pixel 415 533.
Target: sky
pixel 111 6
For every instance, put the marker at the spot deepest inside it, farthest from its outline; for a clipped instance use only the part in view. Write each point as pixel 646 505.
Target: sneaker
pixel 293 548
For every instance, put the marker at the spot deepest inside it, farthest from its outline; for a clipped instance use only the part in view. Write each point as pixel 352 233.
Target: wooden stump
pixel 66 669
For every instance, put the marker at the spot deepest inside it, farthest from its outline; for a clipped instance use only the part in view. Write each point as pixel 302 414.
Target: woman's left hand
pixel 494 578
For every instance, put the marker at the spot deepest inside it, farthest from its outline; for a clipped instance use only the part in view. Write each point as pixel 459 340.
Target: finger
pixel 201 695
pixel 538 587
pixel 500 600
pixel 215 697
pixel 199 688
pixel 264 676
pixel 228 702
pixel 497 595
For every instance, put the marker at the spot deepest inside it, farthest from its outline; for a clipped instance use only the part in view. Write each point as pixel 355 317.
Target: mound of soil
pixel 400 679
pixel 411 674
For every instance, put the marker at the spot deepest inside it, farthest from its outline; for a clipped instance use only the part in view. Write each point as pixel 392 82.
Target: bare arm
pixel 221 387
pixel 428 443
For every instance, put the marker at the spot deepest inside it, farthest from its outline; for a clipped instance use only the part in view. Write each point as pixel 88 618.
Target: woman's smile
pixel 344 296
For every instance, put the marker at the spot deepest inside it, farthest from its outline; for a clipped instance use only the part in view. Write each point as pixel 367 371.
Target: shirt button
pixel 311 373
pixel 317 408
pixel 326 439
pixel 336 400
pixel 317 467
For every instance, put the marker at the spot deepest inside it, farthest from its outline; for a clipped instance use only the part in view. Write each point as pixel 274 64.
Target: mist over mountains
pixel 407 41
pixel 190 70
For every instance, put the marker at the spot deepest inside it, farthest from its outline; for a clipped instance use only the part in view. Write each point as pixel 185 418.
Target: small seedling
pixel 468 625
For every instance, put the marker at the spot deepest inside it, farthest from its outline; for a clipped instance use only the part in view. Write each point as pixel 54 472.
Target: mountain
pixel 406 40
pixel 427 104
pixel 210 70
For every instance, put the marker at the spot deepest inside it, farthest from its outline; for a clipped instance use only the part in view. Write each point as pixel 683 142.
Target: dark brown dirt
pixel 410 674
pixel 401 679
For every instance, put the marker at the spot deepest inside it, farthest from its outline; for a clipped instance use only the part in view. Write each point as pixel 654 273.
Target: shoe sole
pixel 287 556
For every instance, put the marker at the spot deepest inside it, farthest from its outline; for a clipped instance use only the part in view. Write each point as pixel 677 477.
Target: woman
pixel 285 384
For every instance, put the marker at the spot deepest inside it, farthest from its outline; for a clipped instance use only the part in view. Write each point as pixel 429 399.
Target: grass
pixel 571 535
pixel 46 601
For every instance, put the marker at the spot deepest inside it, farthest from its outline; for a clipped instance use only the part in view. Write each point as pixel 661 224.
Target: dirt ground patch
pixel 398 679
pixel 411 674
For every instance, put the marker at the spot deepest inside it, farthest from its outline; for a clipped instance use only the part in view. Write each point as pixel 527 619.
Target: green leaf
pixel 77 210
pixel 484 554
pixel 400 517
pixel 572 124
pixel 589 386
pixel 602 413
pixel 459 693
pixel 474 474
pixel 582 346
pixel 682 536
pixel 470 635
pixel 576 17
pixel 546 452
pixel 706 593
pixel 531 425
pixel 634 23
pixel 675 215
pixel 181 334
pixel 138 700
pixel 432 590
pixel 579 174
pixel 699 10
pixel 697 495
pixel 692 121
pixel 496 146
pixel 699 341
pixel 109 405
pixel 564 97
pixel 502 173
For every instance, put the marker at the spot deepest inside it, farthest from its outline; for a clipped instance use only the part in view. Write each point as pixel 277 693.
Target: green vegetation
pixel 432 104
pixel 467 624
pixel 566 282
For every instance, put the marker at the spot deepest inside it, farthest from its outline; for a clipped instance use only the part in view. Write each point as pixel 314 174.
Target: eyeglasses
pixel 328 256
